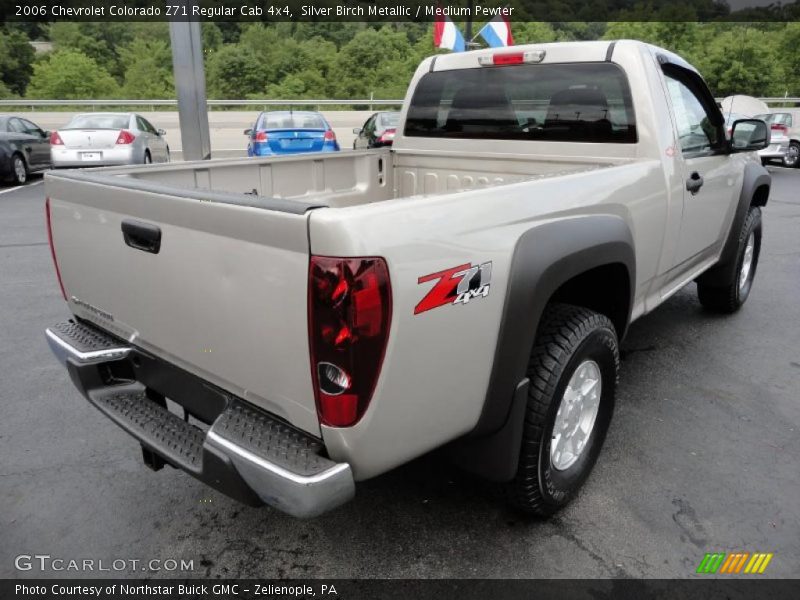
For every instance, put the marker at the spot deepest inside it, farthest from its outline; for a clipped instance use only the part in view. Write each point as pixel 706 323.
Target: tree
pixel 148 69
pixel 235 72
pixel 741 61
pixel 67 74
pixel 16 58
pixel 357 67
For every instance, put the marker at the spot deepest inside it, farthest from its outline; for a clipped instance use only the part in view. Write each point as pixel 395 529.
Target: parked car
pixel 731 118
pixel 779 138
pixel 785 127
pixel 323 319
pixel 290 132
pixel 377 131
pixel 102 139
pixel 24 149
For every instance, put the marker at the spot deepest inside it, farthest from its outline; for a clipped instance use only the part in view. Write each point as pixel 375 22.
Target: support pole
pixel 190 85
pixel 468 36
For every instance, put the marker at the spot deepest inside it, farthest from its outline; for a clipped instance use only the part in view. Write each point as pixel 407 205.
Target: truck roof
pixel 555 52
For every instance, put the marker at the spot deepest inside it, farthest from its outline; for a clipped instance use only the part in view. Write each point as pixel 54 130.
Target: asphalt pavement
pixel 702 456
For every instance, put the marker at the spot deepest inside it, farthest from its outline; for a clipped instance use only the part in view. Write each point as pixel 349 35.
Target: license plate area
pixel 91 156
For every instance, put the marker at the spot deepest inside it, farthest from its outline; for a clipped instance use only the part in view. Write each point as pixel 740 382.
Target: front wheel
pixel 573 378
pixel 733 293
pixel 792 156
pixel 147 158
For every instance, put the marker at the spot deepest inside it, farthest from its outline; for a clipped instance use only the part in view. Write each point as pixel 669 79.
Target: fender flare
pixel 755 177
pixel 544 258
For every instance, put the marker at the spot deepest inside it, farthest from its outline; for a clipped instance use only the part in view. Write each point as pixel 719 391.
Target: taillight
pixel 349 312
pixel 125 137
pixel 261 136
pixel 55 139
pixel 330 136
pixel 52 246
pixel 387 136
pixel 780 128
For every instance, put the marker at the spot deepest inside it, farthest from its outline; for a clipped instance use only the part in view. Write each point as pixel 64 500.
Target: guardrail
pixel 369 102
pixel 33 104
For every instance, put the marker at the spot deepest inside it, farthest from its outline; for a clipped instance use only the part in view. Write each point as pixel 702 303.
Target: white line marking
pixel 19 187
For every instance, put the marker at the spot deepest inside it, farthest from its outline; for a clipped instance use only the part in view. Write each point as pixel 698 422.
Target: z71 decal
pixel 458 285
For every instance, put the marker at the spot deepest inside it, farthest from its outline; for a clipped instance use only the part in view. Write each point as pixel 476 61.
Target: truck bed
pixel 352 178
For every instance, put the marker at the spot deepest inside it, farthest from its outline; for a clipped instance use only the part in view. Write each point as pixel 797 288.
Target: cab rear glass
pixel 586 102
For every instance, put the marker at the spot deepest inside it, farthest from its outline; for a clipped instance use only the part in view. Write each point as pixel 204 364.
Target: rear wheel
pixel 147 158
pixel 573 374
pixel 19 169
pixel 732 294
pixel 792 156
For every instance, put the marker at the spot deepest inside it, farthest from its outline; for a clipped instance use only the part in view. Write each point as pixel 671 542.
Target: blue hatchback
pixel 290 132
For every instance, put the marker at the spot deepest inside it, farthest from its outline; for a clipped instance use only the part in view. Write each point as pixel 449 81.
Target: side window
pixel 31 128
pixel 696 134
pixel 140 124
pixel 369 126
pixel 15 126
pixel 149 127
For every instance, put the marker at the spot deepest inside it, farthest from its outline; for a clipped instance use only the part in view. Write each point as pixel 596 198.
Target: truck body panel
pixel 226 296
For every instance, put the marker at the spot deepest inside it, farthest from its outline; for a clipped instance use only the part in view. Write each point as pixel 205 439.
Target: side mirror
pixel 248 132
pixel 162 132
pixel 357 130
pixel 749 134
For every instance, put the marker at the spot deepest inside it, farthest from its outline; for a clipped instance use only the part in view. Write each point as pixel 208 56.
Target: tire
pixel 19 169
pixel 169 155
pixel 792 156
pixel 570 341
pixel 730 297
pixel 147 158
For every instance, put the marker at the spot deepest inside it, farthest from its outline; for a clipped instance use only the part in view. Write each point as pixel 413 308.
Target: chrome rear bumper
pixel 246 452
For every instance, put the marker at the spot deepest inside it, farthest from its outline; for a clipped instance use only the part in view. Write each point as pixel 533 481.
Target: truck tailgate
pixel 224 296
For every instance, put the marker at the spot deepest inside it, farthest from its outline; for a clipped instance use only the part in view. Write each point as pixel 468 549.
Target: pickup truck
pixel 283 327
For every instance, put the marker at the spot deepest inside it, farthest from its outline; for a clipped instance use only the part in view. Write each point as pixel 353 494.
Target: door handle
pixel 694 183
pixel 142 236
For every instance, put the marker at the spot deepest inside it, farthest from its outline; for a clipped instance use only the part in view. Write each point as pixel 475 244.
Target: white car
pixel 102 139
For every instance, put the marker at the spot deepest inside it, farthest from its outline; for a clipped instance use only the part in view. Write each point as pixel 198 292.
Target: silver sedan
pixel 101 139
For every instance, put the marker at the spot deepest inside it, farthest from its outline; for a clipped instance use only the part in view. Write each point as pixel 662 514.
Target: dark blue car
pixel 290 132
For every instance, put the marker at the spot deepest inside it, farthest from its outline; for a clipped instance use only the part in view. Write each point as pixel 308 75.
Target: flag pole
pixel 471 5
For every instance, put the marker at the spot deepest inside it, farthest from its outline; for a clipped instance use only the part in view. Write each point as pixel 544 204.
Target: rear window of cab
pixel 581 102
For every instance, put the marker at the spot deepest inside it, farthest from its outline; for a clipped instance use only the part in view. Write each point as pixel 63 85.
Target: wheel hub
pixel 747 261
pixel 792 154
pixel 19 169
pixel 576 415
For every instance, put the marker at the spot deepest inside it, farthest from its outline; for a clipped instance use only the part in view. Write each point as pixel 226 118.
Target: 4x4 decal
pixel 458 285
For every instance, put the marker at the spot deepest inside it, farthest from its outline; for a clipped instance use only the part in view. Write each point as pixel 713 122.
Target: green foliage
pixel 71 75
pixel 235 71
pixel 349 60
pixel 148 69
pixel 16 58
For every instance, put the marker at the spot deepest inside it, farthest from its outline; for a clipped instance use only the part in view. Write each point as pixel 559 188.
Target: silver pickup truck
pixel 281 328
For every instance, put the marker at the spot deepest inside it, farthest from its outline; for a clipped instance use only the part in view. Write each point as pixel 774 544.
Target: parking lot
pixel 702 455
pixel 225 128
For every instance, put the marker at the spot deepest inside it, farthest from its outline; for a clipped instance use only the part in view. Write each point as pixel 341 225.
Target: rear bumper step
pixel 246 453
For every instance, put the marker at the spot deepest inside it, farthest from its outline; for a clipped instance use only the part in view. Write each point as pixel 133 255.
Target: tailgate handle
pixel 142 236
